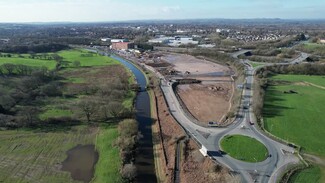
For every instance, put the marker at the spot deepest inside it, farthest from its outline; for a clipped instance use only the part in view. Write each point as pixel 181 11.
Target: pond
pixel 81 162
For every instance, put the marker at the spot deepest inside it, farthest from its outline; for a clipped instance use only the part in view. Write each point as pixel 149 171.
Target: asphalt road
pixel 209 138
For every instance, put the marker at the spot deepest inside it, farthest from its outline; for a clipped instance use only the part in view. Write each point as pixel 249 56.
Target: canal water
pixel 144 157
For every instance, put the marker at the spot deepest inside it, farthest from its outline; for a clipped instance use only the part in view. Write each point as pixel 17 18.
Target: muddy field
pixel 186 63
pixel 206 102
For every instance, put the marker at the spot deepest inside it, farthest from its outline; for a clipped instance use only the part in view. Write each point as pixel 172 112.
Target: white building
pixel 182 41
pixel 119 40
pixel 105 39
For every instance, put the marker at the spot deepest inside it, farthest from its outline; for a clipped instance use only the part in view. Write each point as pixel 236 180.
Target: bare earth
pixel 193 65
pixel 208 102
pixel 196 168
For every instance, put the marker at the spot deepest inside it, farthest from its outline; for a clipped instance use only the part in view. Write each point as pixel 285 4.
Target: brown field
pixel 192 64
pixel 196 168
pixel 206 102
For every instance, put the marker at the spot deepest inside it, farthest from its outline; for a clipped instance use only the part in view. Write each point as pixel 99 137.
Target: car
pixel 251 123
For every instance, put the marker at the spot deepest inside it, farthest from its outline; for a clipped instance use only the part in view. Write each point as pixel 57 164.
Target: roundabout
pixel 244 148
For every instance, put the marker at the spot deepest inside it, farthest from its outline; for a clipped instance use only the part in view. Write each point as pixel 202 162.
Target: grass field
pixel 297 117
pixel 312 174
pixel 35 156
pixel 244 148
pixel 318 80
pixel 108 165
pixel 314 48
pixel 85 58
pixel 50 64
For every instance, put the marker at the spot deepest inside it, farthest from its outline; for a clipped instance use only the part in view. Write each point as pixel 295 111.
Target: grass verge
pixel 109 163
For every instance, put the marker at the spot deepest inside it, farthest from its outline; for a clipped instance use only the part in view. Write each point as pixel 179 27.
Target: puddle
pixel 81 162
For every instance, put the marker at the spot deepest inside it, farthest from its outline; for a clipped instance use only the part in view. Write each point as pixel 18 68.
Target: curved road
pixel 209 138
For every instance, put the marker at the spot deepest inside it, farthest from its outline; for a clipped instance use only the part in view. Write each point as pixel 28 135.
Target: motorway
pixel 209 138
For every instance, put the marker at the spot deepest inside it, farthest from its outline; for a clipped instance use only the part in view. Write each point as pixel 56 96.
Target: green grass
pixel 312 46
pixel 312 174
pixel 86 58
pixel 318 80
pixel 50 64
pixel 35 156
pixel 52 113
pixel 244 148
pixel 256 64
pixel 109 163
pixel 297 118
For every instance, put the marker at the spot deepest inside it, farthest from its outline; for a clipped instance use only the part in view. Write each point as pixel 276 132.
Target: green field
pixel 318 80
pixel 314 48
pixel 108 165
pixel 50 64
pixel 85 58
pixel 312 174
pixel 244 148
pixel 297 117
pixel 35 156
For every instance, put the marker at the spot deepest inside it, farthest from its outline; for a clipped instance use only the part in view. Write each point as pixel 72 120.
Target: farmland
pixel 244 148
pixel 297 117
pixel 35 153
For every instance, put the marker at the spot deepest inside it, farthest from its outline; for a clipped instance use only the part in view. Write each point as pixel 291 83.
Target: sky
pixel 120 10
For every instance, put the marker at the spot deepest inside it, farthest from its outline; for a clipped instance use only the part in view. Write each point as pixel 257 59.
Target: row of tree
pixel 35 48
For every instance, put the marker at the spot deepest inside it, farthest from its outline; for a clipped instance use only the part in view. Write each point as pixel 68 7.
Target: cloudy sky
pixel 115 10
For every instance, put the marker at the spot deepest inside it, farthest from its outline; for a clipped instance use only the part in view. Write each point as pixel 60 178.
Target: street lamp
pixel 255 164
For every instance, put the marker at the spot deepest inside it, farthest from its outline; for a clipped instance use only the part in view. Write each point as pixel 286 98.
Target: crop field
pixel 297 117
pixel 244 148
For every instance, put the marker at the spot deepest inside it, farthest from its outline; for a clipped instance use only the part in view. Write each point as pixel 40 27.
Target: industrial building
pixel 122 45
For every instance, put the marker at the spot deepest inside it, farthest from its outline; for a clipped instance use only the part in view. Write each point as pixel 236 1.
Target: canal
pixel 144 160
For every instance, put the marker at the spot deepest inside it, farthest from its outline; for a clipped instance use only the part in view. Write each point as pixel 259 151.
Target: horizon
pixel 162 20
pixel 82 11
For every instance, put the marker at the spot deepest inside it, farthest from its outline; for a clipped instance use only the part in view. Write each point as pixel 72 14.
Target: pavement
pixel 209 138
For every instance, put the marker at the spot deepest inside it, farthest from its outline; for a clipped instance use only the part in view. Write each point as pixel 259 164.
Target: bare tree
pixel 129 172
pixel 88 107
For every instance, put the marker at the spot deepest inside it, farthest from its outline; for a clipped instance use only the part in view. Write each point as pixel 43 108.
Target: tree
pixel 129 172
pixel 9 68
pixel 76 63
pixel 88 107
pixel 116 109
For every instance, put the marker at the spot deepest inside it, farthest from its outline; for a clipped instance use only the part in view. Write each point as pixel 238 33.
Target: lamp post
pixel 255 164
